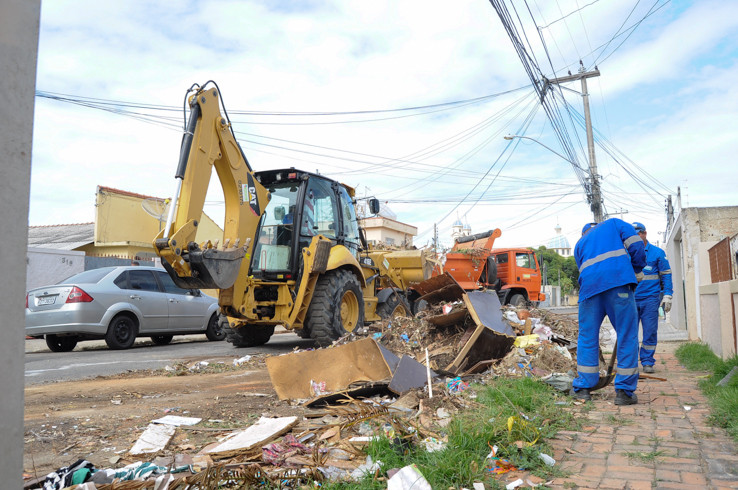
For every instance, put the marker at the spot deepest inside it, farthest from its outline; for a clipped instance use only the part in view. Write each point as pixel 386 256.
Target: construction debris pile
pixel 403 379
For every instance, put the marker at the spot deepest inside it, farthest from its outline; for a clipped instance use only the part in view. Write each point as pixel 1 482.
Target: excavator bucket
pixel 211 268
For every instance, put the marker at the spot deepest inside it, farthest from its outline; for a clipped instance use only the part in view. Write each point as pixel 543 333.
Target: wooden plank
pixel 263 431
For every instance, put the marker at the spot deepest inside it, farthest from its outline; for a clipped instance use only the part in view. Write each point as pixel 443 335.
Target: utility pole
pixel 435 239
pixel 595 195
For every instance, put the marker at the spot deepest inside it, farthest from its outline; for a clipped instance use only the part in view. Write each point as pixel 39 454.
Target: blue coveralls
pixel 608 257
pixel 648 296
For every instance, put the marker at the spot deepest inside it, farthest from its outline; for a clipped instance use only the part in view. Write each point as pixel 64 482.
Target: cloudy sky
pixel 406 101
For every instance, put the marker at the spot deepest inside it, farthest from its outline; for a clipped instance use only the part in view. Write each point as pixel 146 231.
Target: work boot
pixel 582 394
pixel 622 398
pixel 648 369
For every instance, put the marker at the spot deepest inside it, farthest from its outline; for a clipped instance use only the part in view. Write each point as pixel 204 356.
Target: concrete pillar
pixel 19 24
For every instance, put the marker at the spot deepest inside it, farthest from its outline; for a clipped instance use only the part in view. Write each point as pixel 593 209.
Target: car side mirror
pixel 195 292
pixel 374 205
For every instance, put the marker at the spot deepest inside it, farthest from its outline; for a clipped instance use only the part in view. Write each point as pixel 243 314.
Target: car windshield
pixel 91 276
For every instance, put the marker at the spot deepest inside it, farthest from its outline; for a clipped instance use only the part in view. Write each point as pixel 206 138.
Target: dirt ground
pixel 100 419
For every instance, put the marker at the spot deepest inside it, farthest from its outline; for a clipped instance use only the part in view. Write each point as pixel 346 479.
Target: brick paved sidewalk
pixel 662 442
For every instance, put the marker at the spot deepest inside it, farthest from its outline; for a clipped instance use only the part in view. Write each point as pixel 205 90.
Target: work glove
pixel 666 303
pixel 639 276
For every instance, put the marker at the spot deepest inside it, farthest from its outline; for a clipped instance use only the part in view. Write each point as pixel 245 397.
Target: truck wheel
pixel 419 305
pixel 247 335
pixel 517 300
pixel 58 343
pixel 121 333
pixel 395 305
pixel 337 307
pixel 161 339
pixel 215 331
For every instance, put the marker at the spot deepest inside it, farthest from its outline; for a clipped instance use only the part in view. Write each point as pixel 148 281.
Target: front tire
pixel 58 343
pixel 247 335
pixel 518 300
pixel 337 307
pixel 395 305
pixel 121 333
pixel 161 339
pixel 215 330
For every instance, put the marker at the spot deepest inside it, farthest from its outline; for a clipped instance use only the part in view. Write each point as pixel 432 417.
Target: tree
pixel 558 266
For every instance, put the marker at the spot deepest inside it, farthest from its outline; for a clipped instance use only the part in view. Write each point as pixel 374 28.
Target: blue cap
pixel 587 227
pixel 639 227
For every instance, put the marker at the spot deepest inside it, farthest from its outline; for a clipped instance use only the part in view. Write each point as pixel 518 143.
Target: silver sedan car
pixel 119 304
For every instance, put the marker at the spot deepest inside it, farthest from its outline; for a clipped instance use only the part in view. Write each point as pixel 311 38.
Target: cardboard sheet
pixel 338 367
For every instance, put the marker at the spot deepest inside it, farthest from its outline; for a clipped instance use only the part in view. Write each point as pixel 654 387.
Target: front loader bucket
pixel 211 268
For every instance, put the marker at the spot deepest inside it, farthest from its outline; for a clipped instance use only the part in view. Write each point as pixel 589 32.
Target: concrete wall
pixel 718 317
pixel 19 23
pixel 49 266
pixel 385 230
pixel 705 310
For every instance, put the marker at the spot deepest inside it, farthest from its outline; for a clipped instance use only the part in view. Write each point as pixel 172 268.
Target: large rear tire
pixel 248 335
pixel 215 330
pixel 121 333
pixel 337 307
pixel 395 305
pixel 59 343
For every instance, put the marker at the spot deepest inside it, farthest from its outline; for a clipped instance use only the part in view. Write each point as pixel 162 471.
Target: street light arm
pixel 513 136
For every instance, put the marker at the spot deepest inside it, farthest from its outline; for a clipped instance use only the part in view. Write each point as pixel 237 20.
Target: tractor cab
pixel 302 205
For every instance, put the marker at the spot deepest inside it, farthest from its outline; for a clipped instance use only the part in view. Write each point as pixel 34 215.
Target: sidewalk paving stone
pixel 664 441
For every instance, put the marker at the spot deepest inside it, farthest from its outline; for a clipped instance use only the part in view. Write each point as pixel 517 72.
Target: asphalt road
pixel 93 358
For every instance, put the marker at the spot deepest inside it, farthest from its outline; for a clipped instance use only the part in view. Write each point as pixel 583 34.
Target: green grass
pixel 473 432
pixel 649 457
pixel 723 400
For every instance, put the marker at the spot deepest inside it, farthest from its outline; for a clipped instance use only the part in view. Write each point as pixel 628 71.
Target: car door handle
pixel 135 296
pixel 172 300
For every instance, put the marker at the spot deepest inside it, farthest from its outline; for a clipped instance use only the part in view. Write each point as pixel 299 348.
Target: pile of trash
pixel 400 379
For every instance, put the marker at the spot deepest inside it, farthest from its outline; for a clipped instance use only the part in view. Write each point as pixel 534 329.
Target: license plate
pixel 46 300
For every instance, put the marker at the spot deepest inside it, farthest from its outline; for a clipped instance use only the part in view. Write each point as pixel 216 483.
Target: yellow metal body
pixel 283 302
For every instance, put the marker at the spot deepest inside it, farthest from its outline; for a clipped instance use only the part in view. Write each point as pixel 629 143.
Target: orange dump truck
pixel 512 272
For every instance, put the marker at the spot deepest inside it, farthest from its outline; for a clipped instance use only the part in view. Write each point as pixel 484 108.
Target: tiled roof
pixel 62 237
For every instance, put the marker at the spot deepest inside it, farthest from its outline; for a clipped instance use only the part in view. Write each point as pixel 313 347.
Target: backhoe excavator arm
pixel 209 142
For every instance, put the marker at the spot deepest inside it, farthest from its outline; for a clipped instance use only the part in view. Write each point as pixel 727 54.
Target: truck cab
pixel 518 276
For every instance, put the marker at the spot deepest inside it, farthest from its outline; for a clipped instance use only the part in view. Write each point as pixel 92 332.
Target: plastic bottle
pixel 661 312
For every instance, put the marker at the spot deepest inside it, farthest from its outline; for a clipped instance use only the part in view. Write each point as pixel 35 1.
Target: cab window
pixel 274 244
pixel 319 213
pixel 524 260
pixel 350 223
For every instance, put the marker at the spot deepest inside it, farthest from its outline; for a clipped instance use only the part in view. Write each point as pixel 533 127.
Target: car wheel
pixel 517 300
pixel 161 339
pixel 121 333
pixel 215 330
pixel 395 305
pixel 59 343
pixel 337 307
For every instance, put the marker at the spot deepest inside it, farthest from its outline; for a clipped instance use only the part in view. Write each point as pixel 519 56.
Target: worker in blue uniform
pixel 653 291
pixel 610 257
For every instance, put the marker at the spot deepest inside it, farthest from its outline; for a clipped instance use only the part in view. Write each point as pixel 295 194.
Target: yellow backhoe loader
pixel 292 252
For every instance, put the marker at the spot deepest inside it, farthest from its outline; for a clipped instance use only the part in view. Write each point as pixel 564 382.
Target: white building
pixel 559 243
